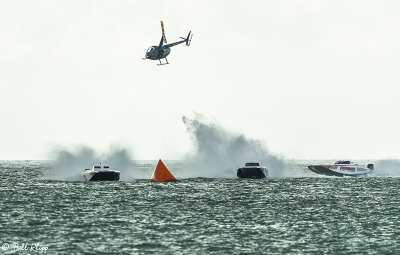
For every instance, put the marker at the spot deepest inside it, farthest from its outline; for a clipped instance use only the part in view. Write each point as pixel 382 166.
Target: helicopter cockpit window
pixel 150 49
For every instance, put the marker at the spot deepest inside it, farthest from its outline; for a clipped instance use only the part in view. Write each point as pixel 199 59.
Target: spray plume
pixel 69 164
pixel 218 153
pixel 387 167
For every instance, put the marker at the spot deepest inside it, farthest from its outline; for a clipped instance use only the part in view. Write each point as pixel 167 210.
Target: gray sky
pixel 313 79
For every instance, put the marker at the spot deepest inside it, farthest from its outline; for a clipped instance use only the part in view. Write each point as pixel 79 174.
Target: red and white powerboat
pixel 342 168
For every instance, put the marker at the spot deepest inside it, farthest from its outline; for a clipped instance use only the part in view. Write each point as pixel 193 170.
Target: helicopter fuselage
pixel 156 52
pixel 163 49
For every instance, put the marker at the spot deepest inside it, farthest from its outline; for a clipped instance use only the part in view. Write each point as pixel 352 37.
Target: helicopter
pixel 162 50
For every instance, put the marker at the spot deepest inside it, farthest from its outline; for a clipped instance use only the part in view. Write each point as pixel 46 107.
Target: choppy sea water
pixel 302 214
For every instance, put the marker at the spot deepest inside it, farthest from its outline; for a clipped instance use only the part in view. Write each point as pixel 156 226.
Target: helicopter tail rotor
pixel 188 39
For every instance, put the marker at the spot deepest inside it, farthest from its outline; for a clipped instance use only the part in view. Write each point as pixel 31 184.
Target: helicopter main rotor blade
pixel 163 32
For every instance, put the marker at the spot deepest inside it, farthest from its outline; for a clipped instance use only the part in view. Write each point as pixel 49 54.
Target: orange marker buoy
pixel 162 174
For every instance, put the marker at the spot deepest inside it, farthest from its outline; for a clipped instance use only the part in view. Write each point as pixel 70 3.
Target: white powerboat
pixel 252 170
pixel 342 168
pixel 101 172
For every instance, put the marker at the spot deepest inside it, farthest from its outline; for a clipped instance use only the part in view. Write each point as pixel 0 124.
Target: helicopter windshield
pixel 151 49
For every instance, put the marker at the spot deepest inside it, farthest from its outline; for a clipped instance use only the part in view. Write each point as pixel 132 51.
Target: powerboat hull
pixel 340 170
pixel 252 172
pixel 102 175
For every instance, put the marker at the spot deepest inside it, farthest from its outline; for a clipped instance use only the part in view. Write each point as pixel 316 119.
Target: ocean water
pixel 301 213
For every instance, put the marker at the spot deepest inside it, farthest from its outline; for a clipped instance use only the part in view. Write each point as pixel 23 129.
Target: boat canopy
pixel 343 162
pixel 252 164
pixel 101 166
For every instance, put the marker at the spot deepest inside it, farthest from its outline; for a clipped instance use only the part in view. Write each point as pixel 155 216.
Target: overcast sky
pixel 312 79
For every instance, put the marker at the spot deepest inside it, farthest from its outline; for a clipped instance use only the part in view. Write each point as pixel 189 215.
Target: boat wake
pixel 387 168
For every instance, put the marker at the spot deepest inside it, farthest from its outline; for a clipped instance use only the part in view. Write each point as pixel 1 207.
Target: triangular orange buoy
pixel 162 174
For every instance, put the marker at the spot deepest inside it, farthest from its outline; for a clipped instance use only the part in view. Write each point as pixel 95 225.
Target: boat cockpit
pixel 252 164
pixel 100 167
pixel 344 162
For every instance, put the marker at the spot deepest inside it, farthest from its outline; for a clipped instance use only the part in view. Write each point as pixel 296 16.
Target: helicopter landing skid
pixel 161 64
